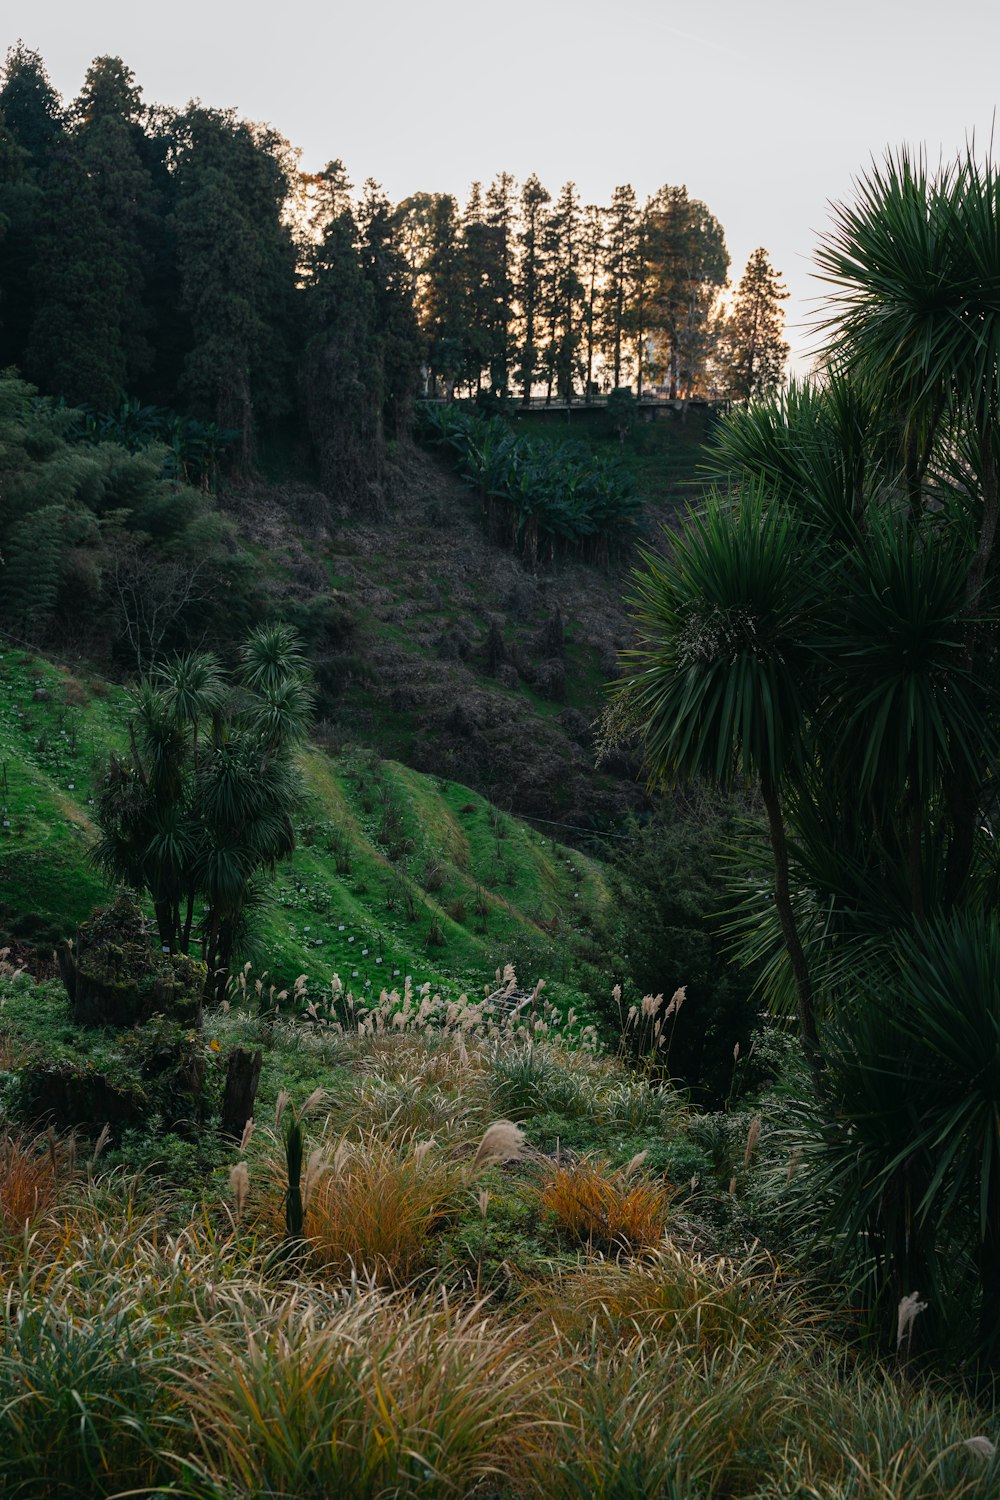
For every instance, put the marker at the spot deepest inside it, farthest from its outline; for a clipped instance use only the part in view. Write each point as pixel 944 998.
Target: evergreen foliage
pixel 828 627
pixel 538 497
pixel 182 260
pixel 205 799
pixel 752 352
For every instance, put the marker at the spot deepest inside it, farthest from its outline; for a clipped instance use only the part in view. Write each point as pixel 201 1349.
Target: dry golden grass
pixel 372 1205
pixel 29 1179
pixel 698 1303
pixel 605 1208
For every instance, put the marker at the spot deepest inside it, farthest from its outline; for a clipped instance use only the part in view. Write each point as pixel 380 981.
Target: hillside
pixel 395 873
pixel 445 650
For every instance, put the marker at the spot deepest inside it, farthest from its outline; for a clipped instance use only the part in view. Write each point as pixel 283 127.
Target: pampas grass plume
pixel 502 1141
pixel 239 1181
pixel 753 1136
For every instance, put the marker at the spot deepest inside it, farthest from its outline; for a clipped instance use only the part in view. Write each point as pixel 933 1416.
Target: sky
pixel 767 110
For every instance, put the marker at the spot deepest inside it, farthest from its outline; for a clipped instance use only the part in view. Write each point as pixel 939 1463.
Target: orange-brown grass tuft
pixel 605 1208
pixel 373 1206
pixel 28 1179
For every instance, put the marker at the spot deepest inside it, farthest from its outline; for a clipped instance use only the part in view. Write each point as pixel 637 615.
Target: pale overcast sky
pixel 765 109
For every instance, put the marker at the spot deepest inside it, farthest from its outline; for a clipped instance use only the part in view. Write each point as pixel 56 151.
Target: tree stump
pixel 242 1078
pixel 117 976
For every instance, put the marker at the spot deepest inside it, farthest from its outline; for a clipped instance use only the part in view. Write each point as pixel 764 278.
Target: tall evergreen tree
pixel 752 352
pixel 690 264
pixel 395 323
pixel 341 368
pixel 30 104
pixel 446 309
pixel 477 269
pixel 529 282
pixel 592 256
pixel 237 269
pixel 501 213
pixel 618 269
pixel 32 115
pixel 641 279
pixel 88 338
pixel 563 238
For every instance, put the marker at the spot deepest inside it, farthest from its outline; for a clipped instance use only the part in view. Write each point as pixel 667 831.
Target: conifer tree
pixel 619 267
pixel 501 211
pixel 477 267
pixel 446 306
pixel 341 368
pixel 529 282
pixel 237 269
pixel 88 339
pixel 564 239
pixel 592 255
pixel 752 353
pixel 32 116
pixel 690 263
pixel 395 322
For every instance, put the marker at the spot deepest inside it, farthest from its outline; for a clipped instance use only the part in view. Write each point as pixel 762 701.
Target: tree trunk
pixel 242 1078
pixel 789 931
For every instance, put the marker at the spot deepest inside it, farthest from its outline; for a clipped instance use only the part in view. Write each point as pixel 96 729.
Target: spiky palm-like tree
pixel 876 489
pixel 720 679
pixel 203 803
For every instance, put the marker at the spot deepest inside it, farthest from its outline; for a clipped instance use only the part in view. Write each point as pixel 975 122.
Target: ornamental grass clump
pixel 690 1301
pixel 386 1395
pixel 370 1206
pixel 30 1171
pixel 607 1209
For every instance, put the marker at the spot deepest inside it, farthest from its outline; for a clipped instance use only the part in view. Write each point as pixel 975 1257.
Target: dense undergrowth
pixel 568 1303
pixel 541 497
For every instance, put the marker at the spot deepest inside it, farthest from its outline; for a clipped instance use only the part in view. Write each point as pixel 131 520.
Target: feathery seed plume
pixel 753 1136
pixel 981 1446
pixel 906 1315
pixel 239 1181
pixel 502 1141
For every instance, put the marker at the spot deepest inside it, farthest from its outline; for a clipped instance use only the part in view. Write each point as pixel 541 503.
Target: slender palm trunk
pixel 789 931
pixel 989 1273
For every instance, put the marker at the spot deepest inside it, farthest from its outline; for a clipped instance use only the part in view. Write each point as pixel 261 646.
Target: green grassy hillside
pixel 395 873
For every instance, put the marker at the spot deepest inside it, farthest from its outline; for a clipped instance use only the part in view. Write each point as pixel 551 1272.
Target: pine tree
pixel 532 256
pixel 32 116
pixel 446 305
pixel 752 353
pixel 237 269
pixel 88 339
pixel 619 279
pixel 501 210
pixel 690 263
pixel 395 322
pixel 560 295
pixel 30 104
pixel 341 367
pixel 593 251
pixel 477 269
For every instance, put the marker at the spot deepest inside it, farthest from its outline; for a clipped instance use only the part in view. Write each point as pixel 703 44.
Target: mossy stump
pixel 116 974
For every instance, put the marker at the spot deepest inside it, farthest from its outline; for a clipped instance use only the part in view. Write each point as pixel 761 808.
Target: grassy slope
pixel 499 891
pixel 450 1326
